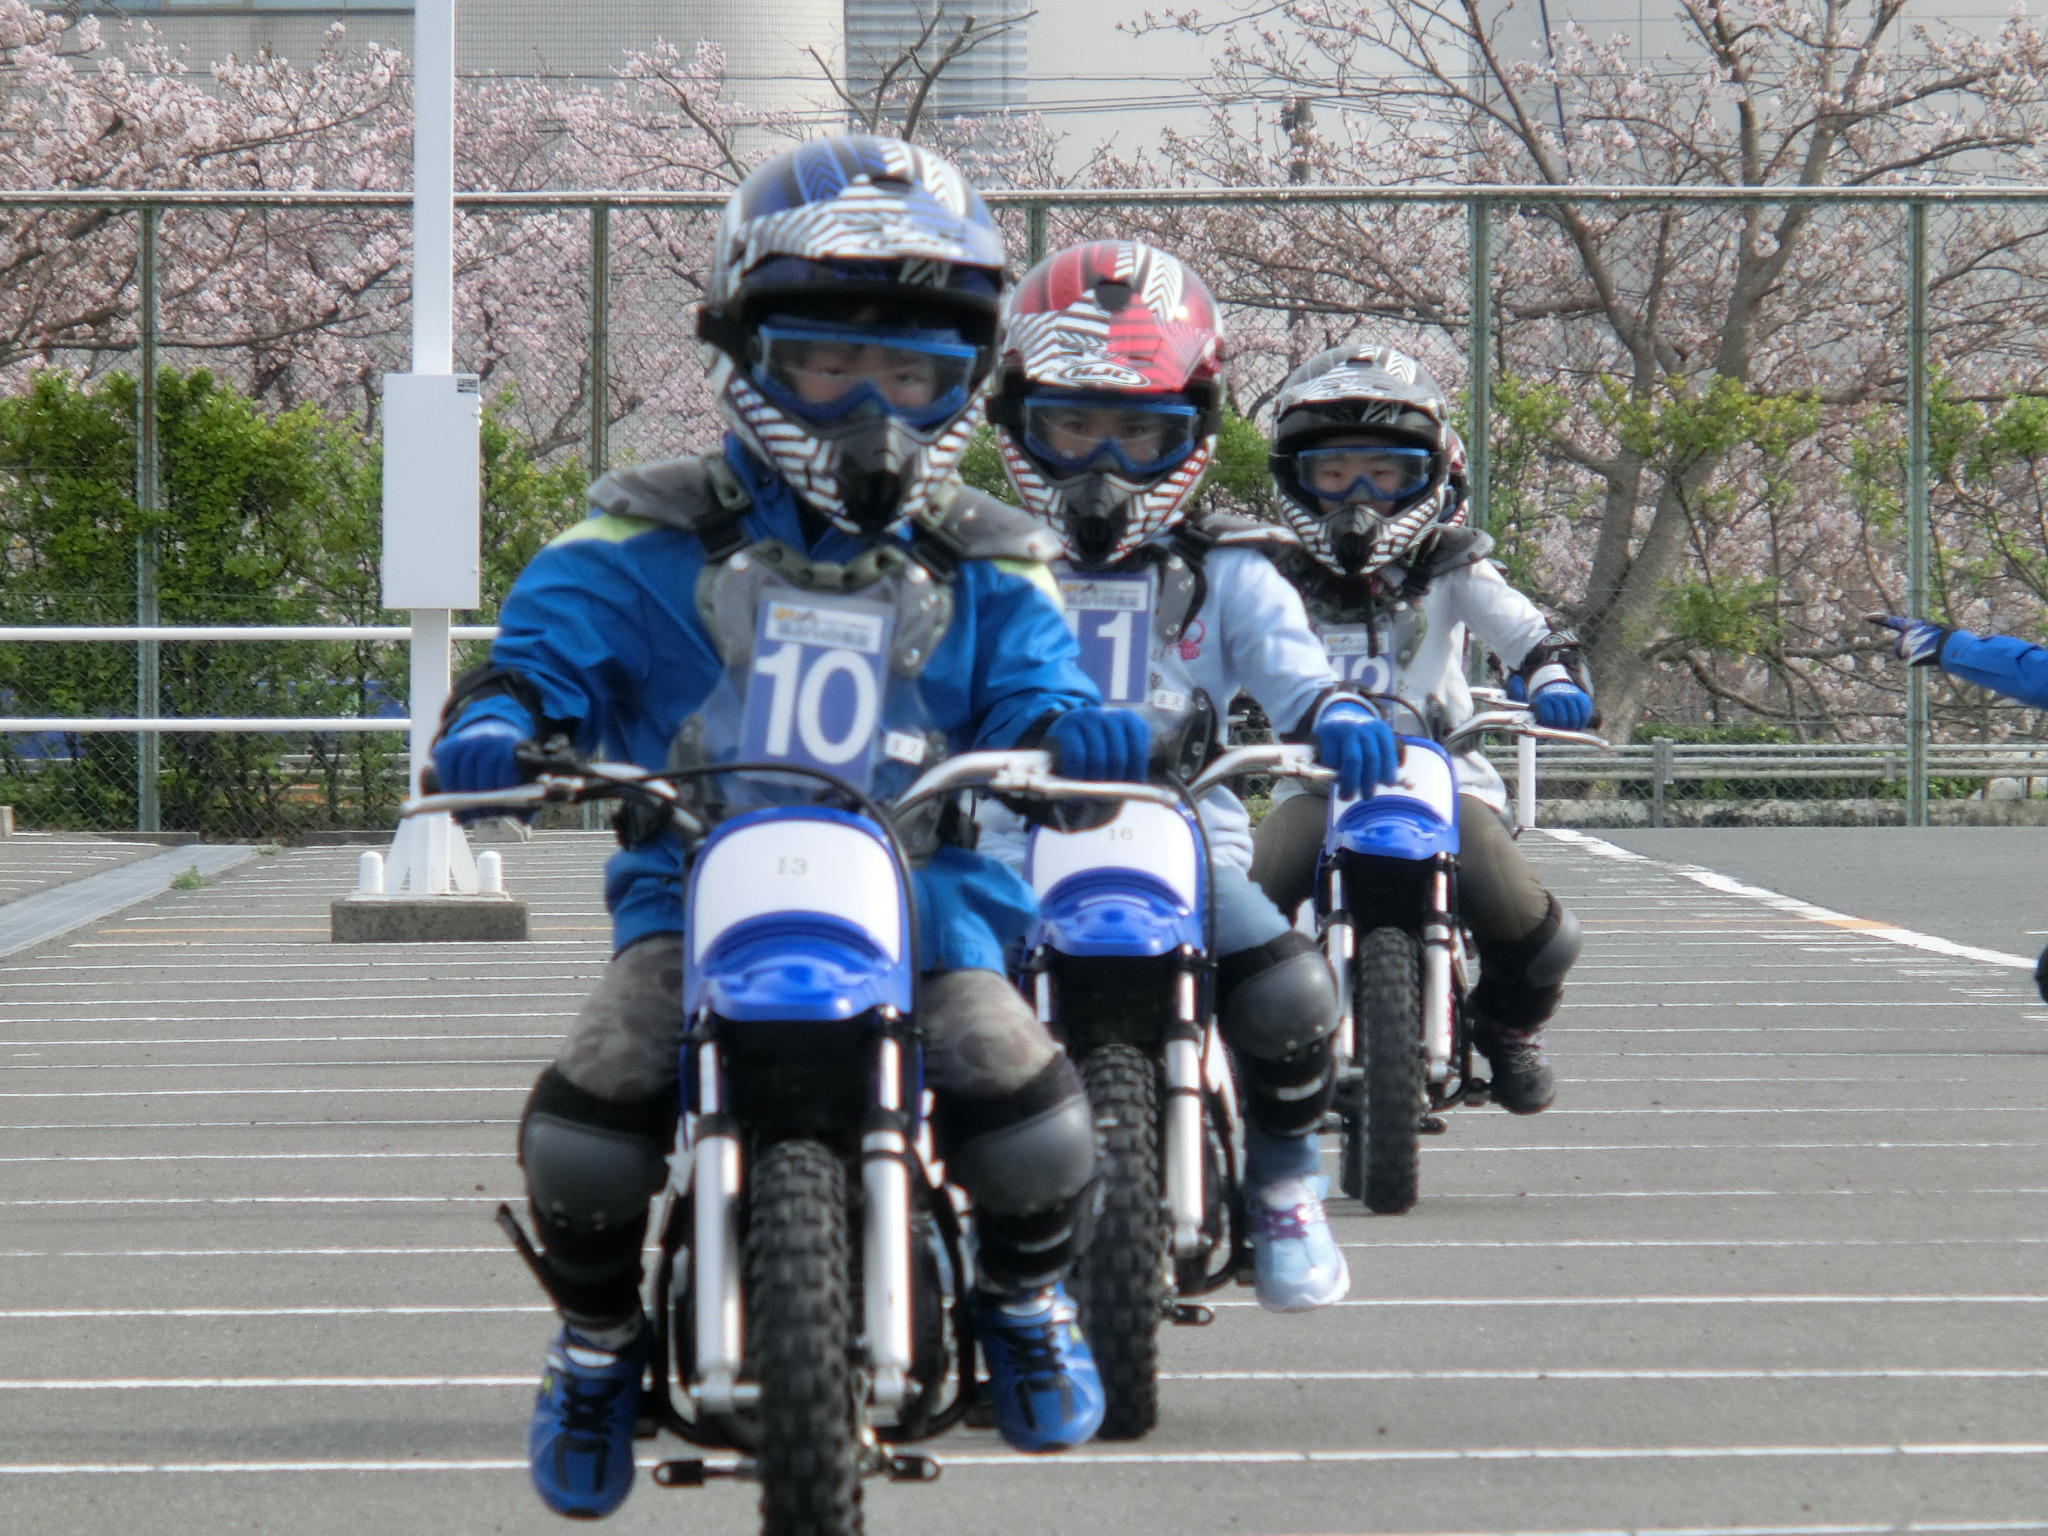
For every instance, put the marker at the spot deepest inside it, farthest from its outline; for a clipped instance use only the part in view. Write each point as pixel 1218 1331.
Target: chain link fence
pixel 1713 495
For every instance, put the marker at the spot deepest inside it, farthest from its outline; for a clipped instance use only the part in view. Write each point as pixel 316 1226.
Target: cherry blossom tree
pixel 1684 383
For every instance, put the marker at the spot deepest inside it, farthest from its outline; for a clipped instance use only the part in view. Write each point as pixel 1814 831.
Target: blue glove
pixel 1917 642
pixel 478 756
pixel 1563 706
pixel 1359 745
pixel 1101 744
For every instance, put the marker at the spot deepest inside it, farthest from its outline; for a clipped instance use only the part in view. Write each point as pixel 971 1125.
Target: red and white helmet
pixel 1108 393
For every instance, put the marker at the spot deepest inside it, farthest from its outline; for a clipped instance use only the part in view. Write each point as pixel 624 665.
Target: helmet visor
pixel 827 374
pixel 1383 474
pixel 1075 434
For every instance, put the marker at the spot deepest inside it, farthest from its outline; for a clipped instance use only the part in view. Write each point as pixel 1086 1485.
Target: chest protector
pixel 1129 622
pixel 821 665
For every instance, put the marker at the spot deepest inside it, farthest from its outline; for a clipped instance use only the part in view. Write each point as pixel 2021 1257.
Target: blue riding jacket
pixel 603 623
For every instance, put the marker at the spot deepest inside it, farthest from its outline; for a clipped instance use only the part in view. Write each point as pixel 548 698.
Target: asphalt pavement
pixel 1773 1263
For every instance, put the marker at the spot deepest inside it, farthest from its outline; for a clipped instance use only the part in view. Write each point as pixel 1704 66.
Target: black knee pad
pixel 591 1167
pixel 1277 998
pixel 1290 1097
pixel 1521 984
pixel 1024 1152
pixel 1028 1161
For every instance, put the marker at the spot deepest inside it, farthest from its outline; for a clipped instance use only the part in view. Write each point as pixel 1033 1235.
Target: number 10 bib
pixel 816 683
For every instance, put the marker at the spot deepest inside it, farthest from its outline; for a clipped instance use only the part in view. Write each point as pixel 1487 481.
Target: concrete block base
pixel 427 920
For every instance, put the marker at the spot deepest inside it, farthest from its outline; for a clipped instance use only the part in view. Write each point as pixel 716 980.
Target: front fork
pixel 1191 1063
pixel 1181 1068
pixel 715 1257
pixel 1439 943
pixel 886 1159
pixel 1438 931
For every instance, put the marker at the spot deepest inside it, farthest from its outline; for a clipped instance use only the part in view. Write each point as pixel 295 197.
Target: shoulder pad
pixel 1237 531
pixel 690 493
pixel 1455 548
pixel 973 525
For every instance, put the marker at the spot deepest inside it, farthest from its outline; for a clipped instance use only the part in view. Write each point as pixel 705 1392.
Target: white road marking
pixel 1113 1459
pixel 1793 906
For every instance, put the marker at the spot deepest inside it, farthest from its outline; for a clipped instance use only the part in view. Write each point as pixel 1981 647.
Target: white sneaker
pixel 1296 1260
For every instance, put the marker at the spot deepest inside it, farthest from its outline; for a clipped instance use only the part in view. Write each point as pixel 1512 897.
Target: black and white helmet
pixel 1363 394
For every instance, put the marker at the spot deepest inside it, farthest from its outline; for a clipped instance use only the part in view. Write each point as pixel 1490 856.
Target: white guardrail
pixel 375 634
pixel 1660 764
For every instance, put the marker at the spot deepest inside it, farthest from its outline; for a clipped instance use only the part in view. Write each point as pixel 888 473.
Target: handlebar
pixel 1516 721
pixel 561 780
pixel 1289 760
pixel 1027 774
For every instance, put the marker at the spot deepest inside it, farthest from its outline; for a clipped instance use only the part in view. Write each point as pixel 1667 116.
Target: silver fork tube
pixel 885 1179
pixel 1184 1203
pixel 716 1257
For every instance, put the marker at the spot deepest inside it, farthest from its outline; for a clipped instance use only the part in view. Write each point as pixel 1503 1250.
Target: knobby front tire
pixel 800 1332
pixel 1120 1282
pixel 1387 1004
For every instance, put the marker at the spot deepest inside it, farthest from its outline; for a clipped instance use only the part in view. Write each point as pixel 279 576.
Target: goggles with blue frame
pixel 1073 434
pixel 1364 472
pixel 827 373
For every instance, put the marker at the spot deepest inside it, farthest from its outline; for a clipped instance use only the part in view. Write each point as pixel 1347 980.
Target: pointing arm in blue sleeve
pixel 2003 663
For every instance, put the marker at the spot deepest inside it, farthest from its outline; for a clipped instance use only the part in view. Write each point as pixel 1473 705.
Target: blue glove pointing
pixel 1359 745
pixel 1563 706
pixel 1101 744
pixel 478 755
pixel 1917 642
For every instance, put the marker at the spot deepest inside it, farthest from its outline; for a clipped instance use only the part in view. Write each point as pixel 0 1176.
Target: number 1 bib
pixel 1111 616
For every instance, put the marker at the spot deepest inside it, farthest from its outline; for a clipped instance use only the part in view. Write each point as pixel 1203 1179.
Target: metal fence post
pixel 600 337
pixel 148 499
pixel 1660 775
pixel 1479 367
pixel 1917 506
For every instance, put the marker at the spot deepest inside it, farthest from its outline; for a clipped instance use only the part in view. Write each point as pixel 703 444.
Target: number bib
pixel 1111 616
pixel 1351 654
pixel 816 684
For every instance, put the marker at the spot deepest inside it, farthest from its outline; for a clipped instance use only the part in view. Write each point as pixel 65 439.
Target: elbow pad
pixel 491 681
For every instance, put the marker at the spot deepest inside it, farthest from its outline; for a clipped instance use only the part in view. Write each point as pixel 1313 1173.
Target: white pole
pixel 1525 782
pixel 433 321
pixel 430 856
pixel 433 187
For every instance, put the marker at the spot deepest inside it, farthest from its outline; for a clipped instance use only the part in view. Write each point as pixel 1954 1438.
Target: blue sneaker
pixel 581 1442
pixel 1296 1262
pixel 1047 1396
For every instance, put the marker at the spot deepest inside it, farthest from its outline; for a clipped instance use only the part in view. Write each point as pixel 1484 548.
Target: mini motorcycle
pixel 1121 967
pixel 810 1298
pixel 1386 905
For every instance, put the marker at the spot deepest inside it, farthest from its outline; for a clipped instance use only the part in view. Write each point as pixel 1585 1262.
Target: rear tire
pixel 800 1331
pixel 1387 1004
pixel 1120 1281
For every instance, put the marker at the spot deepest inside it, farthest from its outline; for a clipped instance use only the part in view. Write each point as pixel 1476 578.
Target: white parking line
pixel 525 1382
pixel 1111 1460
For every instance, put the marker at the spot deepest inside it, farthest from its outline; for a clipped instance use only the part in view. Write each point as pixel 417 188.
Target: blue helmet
pixel 854 296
